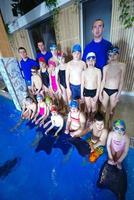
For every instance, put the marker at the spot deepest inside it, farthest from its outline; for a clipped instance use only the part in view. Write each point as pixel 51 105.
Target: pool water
pixel 60 172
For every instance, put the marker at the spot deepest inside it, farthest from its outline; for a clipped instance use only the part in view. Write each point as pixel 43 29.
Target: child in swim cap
pixel 56 122
pixel 117 143
pixel 75 121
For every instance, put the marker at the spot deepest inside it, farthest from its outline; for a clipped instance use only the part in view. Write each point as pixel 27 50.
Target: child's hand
pixel 66 131
pixel 95 99
pixel 100 97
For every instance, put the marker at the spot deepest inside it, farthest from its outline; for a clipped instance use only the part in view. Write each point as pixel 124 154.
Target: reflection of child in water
pixel 28 108
pixel 117 143
pixel 56 121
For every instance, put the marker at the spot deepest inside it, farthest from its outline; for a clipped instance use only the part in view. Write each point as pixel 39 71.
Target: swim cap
pixel 53 47
pixel 73 104
pixel 119 122
pixel 113 50
pixel 53 108
pixel 51 62
pixel 41 59
pixel 48 100
pixel 91 55
pixel 39 97
pixel 76 47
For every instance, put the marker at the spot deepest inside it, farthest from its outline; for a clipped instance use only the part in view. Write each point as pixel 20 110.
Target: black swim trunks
pixel 110 91
pixel 89 93
pixel 62 78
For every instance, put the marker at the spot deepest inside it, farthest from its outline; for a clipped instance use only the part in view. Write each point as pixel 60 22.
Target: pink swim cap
pixel 51 62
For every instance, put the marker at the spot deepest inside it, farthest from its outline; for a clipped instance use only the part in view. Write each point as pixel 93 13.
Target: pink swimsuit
pixel 116 144
pixel 54 84
pixel 42 111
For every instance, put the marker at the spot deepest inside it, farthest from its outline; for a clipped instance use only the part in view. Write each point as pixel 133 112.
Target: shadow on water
pixel 63 142
pixel 8 166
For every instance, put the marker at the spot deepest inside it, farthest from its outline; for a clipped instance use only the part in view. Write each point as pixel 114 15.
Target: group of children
pixel 57 84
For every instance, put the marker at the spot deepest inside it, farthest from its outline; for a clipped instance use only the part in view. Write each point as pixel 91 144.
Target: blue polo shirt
pixel 100 49
pixel 46 56
pixel 26 66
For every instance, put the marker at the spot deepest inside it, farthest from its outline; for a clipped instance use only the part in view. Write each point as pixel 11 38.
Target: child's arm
pixel 123 69
pixel 37 113
pixel 57 80
pixel 51 127
pixel 103 82
pixel 34 111
pixel 82 84
pixel 46 124
pixel 59 129
pixel 109 146
pixel 98 85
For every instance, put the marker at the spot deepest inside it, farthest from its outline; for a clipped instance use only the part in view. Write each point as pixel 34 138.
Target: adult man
pixel 43 53
pixel 98 45
pixel 73 74
pixel 112 83
pixel 26 65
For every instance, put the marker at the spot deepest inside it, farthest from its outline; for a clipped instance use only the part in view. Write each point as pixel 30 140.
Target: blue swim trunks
pixel 76 91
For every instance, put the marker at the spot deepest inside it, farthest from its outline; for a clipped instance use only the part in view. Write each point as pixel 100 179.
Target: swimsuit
pixel 54 84
pixel 89 93
pixel 76 91
pixel 116 144
pixel 110 91
pixel 62 78
pixel 45 78
pixel 75 120
pixel 41 111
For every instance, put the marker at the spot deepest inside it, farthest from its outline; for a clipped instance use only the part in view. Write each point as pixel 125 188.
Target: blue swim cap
pixel 39 97
pixel 53 47
pixel 76 47
pixel 73 104
pixel 119 122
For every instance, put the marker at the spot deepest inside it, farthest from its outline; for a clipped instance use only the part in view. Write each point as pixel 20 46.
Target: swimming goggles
pixel 91 57
pixel 113 51
pixel 119 129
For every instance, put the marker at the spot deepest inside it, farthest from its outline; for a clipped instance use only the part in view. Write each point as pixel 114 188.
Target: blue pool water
pixel 59 173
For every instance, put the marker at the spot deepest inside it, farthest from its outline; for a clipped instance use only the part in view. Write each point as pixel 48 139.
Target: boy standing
pixel 73 74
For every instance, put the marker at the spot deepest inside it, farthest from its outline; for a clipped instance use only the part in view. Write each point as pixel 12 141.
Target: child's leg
pixel 105 101
pixel 113 102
